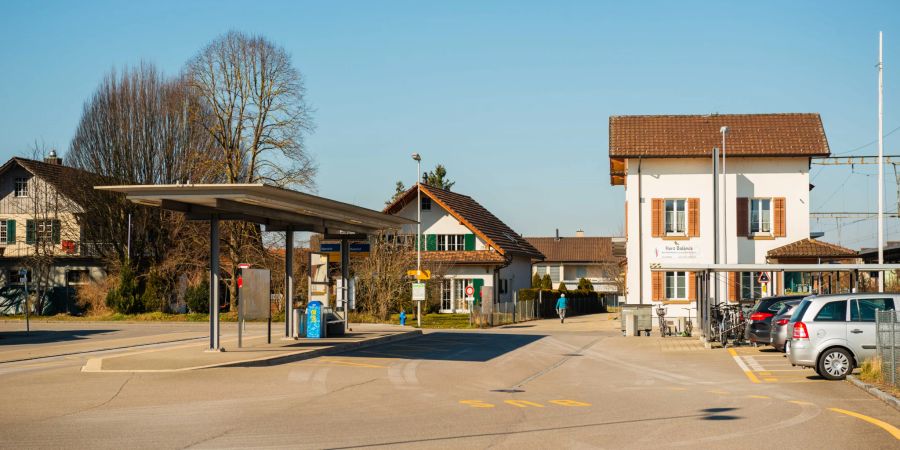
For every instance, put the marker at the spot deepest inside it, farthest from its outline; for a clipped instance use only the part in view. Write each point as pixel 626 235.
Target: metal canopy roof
pixel 659 267
pixel 277 208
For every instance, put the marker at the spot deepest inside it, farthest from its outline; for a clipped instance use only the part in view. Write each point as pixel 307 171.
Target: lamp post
pixel 724 131
pixel 418 159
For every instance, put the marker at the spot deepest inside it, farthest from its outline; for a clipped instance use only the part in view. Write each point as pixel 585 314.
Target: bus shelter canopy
pixel 277 208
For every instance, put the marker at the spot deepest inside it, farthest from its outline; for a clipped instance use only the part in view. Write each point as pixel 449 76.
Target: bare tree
pixel 259 118
pixel 382 282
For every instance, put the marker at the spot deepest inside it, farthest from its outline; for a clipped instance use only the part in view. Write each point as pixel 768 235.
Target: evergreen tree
pixel 546 283
pixel 124 299
pixel 562 287
pixel 399 190
pixel 585 285
pixel 436 178
pixel 535 281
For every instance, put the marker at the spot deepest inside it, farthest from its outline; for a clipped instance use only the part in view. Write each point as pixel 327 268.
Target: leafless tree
pixel 382 281
pixel 259 118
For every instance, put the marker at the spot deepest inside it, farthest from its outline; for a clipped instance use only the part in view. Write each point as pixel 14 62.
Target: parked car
pixel 759 324
pixel 834 333
pixel 780 333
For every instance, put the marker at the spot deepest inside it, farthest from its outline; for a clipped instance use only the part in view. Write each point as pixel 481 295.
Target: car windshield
pixel 801 309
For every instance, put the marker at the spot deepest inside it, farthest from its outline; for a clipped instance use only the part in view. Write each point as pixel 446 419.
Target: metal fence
pixel 504 313
pixel 887 331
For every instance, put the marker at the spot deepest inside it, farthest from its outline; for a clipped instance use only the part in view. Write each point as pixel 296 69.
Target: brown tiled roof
pixel 464 257
pixel 811 248
pixel 474 216
pixel 574 249
pixel 783 134
pixel 63 178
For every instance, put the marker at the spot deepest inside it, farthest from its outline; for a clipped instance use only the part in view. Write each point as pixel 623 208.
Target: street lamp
pixel 418 159
pixel 724 131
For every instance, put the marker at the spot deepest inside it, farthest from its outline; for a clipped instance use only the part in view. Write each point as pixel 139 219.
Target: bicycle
pixel 688 326
pixel 661 316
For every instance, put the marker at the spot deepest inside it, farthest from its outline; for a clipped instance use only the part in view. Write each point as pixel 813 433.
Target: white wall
pixel 518 272
pixel 436 221
pixel 691 178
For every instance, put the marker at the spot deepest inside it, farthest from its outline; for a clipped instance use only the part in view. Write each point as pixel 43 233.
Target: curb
pixel 95 365
pixel 875 392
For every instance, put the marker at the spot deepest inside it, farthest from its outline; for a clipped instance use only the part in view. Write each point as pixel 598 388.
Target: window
pixel 21 187
pixel 43 230
pixel 833 312
pixel 750 286
pixel 580 272
pixel 554 275
pixel 675 217
pixel 80 276
pixel 446 299
pixel 426 203
pixel 503 285
pixel 4 238
pixel 863 310
pixel 761 215
pixel 676 285
pixel 451 242
pixel 541 271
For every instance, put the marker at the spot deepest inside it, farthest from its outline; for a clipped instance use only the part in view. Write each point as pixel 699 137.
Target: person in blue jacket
pixel 561 308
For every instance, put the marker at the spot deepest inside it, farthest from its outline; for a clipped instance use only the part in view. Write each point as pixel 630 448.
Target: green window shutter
pixel 477 283
pixel 57 225
pixel 431 242
pixel 470 242
pixel 10 231
pixel 29 232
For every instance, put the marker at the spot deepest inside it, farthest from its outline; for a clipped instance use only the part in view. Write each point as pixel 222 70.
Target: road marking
pixel 523 403
pixel 758 396
pixel 883 425
pixel 800 402
pixel 569 403
pixel 753 364
pixel 477 403
pixel 740 363
pixel 353 364
pixel 766 373
pixel 719 392
pixel 771 380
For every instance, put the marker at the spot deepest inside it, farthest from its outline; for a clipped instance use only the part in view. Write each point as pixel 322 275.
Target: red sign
pixel 763 277
pixel 240 282
pixel 243 266
pixel 470 291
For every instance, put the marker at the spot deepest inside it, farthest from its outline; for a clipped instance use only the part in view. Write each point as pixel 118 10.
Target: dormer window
pixel 21 187
pixel 426 203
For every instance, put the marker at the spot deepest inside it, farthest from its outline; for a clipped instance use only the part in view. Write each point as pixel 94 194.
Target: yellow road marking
pixel 771 380
pixel 767 373
pixel 750 375
pixel 758 396
pixel 569 403
pixel 883 425
pixel 720 392
pixel 523 403
pixel 353 364
pixel 477 403
pixel 800 402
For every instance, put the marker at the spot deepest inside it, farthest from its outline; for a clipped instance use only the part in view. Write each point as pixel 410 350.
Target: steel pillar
pixel 214 283
pixel 288 281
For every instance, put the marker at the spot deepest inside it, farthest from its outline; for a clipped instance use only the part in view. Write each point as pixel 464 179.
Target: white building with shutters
pixel 665 165
pixel 468 246
pixel 40 231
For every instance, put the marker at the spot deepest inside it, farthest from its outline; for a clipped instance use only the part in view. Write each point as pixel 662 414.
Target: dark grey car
pixel 759 324
pixel 780 333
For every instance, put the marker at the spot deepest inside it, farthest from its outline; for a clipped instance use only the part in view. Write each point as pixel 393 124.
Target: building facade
pixel 569 259
pixel 466 245
pixel 665 165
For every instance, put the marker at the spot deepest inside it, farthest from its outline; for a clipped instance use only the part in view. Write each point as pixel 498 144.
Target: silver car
pixel 834 333
pixel 780 332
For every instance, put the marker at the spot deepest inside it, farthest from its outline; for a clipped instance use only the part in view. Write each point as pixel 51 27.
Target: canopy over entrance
pixel 276 208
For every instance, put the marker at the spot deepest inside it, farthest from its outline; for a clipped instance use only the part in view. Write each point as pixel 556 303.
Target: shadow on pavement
pixel 473 347
pixel 715 414
pixel 517 326
pixel 46 336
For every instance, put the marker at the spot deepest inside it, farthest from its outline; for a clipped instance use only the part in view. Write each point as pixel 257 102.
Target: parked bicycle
pixel 661 316
pixel 726 323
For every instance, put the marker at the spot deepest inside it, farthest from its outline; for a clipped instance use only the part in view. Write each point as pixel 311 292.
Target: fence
pixel 539 306
pixel 887 331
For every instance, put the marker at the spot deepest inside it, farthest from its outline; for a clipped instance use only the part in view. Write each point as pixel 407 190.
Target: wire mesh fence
pixel 887 331
pixel 492 314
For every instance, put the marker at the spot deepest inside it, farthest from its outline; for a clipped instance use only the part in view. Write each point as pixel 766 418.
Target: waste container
pixel 299 324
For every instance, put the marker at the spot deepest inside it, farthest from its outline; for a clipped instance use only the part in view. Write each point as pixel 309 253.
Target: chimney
pixel 557 234
pixel 53 159
pixel 579 233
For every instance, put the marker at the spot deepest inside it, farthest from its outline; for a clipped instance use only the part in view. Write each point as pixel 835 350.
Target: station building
pixel 665 165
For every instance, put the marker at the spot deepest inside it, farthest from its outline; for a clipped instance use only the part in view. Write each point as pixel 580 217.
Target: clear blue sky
pixel 513 97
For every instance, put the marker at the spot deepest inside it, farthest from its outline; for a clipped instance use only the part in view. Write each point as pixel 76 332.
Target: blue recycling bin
pixel 314 318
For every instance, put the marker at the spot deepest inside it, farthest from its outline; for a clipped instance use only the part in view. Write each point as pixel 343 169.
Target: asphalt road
pixel 534 385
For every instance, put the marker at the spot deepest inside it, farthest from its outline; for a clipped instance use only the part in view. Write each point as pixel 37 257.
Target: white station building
pixel 665 164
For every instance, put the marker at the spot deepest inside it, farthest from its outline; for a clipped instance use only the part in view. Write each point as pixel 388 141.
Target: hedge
pixel 578 302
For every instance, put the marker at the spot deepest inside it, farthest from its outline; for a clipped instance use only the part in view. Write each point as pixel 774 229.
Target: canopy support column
pixel 214 283
pixel 345 275
pixel 289 283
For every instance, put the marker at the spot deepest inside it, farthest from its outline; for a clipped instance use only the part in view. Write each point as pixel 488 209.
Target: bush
pixel 125 299
pixel 91 297
pixel 562 287
pixel 153 296
pixel 535 281
pixel 585 285
pixel 197 297
pixel 546 283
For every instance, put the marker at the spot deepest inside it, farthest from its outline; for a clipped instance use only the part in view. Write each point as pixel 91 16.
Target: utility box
pixel 315 316
pixel 629 321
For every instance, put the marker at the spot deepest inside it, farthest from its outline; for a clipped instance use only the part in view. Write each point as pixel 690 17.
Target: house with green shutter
pixel 469 245
pixel 39 225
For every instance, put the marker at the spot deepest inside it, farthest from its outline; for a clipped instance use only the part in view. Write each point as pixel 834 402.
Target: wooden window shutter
pixel 658 286
pixel 657 224
pixel 732 287
pixel 470 242
pixel 742 217
pixel 693 217
pixel 29 232
pixel 691 286
pixel 10 231
pixel 55 230
pixel 430 242
pixel 780 229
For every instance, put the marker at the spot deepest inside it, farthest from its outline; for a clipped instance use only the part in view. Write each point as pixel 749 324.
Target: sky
pixel 513 97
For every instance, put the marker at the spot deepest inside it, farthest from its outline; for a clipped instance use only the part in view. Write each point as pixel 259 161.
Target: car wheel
pixel 835 364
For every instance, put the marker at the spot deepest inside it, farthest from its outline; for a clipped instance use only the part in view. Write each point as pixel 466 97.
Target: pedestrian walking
pixel 561 308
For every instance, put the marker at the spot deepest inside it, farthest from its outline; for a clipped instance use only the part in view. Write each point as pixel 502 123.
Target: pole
pixel 418 238
pixel 128 247
pixel 240 313
pixel 214 283
pixel 640 209
pixel 880 161
pixel 345 275
pixel 724 130
pixel 715 178
pixel 27 319
pixel 289 282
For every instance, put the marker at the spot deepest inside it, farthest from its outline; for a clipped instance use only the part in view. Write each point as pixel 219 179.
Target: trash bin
pixel 299 324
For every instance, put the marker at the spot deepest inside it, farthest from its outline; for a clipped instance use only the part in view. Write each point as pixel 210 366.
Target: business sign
pixel 676 251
